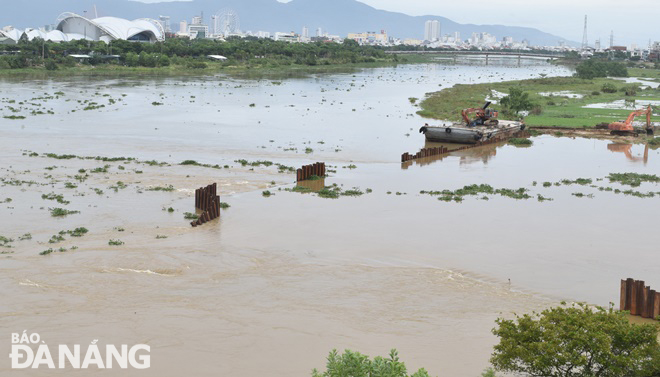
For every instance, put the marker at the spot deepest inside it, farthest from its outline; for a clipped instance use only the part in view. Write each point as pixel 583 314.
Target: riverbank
pixel 212 68
pixel 558 101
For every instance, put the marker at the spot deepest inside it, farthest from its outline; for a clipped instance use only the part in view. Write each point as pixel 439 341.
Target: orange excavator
pixel 626 128
pixel 483 116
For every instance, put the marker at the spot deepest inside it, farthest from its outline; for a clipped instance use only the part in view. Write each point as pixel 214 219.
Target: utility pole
pixel 585 43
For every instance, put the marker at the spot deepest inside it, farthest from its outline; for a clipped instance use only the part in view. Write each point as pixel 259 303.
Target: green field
pixel 551 111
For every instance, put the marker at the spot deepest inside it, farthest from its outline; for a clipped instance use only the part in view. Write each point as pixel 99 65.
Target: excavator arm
pixel 626 127
pixel 480 113
pixel 465 113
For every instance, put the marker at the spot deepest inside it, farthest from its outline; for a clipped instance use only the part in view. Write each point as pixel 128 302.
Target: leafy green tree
pixel 131 59
pixel 355 364
pixel 516 101
pixel 616 70
pixel 608 88
pixel 163 61
pixel 576 341
pixel 593 68
pixel 50 65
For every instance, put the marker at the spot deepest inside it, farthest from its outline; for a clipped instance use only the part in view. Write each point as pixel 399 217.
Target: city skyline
pixel 559 17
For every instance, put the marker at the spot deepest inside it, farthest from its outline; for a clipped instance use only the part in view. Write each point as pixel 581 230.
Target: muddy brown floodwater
pixel 277 282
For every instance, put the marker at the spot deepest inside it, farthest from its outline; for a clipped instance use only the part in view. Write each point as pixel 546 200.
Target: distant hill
pixel 337 17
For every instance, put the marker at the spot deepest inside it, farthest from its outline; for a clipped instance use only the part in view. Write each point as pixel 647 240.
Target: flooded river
pixel 279 281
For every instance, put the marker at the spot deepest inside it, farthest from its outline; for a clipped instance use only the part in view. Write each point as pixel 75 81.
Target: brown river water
pixel 277 282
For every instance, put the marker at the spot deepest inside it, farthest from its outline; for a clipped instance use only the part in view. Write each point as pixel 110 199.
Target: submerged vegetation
pixel 482 190
pixel 474 190
pixel 60 212
pixel 333 191
pixel 60 250
pixel 190 216
pixel 280 167
pixel 633 179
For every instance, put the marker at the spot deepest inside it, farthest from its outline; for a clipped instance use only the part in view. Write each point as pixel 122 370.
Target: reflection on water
pixel 313 185
pixel 466 156
pixel 626 149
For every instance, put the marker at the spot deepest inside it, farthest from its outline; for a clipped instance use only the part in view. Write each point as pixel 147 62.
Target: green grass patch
pixel 557 111
pixel 519 141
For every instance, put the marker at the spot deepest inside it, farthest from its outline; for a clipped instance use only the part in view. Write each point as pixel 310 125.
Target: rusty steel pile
pixel 207 200
pixel 317 169
pixel 639 299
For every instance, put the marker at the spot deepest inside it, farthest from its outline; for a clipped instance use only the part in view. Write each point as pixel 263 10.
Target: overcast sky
pixel 633 21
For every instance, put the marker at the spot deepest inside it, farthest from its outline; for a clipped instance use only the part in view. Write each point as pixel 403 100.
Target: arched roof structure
pixel 110 28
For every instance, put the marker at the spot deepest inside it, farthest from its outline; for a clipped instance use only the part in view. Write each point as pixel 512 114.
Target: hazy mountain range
pixel 338 17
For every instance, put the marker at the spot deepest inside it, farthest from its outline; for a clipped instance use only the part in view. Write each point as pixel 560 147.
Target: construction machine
pixel 483 116
pixel 626 128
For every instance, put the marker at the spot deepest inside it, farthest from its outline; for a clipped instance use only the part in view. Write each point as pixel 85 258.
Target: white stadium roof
pixel 71 26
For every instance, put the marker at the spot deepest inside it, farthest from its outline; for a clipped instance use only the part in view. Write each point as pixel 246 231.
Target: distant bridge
pixel 483 53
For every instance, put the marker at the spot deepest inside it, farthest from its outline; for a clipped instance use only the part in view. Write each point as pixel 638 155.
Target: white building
pixel 304 36
pixel 183 27
pixel 287 37
pixel 197 29
pixel 165 23
pixel 432 30
pixel 72 26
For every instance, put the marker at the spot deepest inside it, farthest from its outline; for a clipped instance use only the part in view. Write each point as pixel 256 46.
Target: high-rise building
pixel 305 32
pixel 457 37
pixel 432 30
pixel 475 39
pixel 183 27
pixel 165 23
pixel 319 32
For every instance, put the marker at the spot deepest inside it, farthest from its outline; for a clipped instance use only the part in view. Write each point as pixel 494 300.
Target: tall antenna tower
pixel 585 44
pixel 612 39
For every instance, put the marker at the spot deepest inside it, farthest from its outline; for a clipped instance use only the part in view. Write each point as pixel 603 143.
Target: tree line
pixel 238 51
